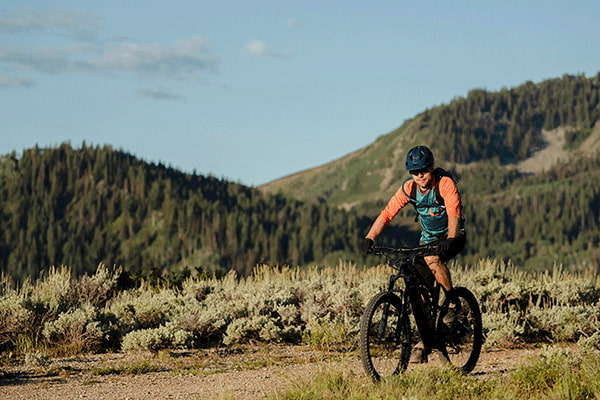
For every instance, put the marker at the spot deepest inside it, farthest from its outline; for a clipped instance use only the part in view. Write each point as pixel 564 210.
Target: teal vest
pixel 432 216
pixel 431 211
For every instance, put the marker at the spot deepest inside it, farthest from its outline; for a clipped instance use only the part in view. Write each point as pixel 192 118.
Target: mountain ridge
pixel 383 159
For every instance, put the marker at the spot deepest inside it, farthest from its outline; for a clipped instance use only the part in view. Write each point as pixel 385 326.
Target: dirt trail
pixel 245 375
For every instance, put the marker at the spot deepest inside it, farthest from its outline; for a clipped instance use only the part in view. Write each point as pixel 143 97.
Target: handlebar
pixel 422 250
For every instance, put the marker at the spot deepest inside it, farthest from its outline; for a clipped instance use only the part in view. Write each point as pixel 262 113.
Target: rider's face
pixel 423 177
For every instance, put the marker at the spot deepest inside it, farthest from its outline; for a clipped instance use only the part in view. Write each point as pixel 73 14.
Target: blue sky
pixel 251 91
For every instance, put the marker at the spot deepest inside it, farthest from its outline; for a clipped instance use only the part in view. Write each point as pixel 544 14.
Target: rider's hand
pixel 445 245
pixel 366 245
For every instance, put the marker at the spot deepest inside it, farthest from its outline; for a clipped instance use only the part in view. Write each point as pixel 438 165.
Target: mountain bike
pixel 386 334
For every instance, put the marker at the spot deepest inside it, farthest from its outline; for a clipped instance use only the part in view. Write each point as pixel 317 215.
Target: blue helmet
pixel 419 157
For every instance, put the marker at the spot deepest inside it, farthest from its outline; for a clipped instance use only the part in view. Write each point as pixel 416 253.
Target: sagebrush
pixel 316 306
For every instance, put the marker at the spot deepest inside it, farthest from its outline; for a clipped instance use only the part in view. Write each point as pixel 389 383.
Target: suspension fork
pixel 386 312
pixel 402 318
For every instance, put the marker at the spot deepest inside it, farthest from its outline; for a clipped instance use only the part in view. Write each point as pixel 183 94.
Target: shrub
pixel 517 306
pixel 79 331
pixel 37 359
pixel 15 319
pixel 52 294
pixel 156 339
pixel 206 324
pixel 144 308
pixel 562 323
pixel 502 329
pixel 259 328
pixel 590 344
pixel 97 289
pixel 321 306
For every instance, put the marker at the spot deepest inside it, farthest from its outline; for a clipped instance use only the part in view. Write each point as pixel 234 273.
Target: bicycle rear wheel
pixel 462 340
pixel 385 336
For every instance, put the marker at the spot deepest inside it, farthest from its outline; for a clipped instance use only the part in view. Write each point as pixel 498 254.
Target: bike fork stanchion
pixel 383 323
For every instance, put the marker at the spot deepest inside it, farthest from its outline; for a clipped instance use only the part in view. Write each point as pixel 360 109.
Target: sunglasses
pixel 420 171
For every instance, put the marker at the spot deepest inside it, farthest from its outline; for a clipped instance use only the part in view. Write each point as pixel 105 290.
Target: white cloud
pixel 73 23
pixel 183 60
pixel 47 60
pixel 81 51
pixel 261 49
pixel 258 48
pixel 7 81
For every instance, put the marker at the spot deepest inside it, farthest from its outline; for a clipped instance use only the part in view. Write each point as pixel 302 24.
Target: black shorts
pixel 457 246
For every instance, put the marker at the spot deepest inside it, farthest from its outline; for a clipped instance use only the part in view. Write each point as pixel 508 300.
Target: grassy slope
pixel 371 173
pixel 374 172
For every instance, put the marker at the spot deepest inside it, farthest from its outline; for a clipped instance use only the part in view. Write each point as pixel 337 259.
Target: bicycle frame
pixel 420 294
pixel 386 335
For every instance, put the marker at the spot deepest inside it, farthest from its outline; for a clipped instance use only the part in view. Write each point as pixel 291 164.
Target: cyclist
pixel 437 201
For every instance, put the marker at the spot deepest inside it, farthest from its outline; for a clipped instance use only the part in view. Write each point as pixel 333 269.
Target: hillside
pixel 510 149
pixel 82 207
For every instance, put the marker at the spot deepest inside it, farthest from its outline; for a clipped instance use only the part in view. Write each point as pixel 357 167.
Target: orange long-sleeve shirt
pixel 447 190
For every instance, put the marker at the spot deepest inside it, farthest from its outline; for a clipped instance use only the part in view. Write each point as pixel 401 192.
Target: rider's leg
pixel 440 271
pixel 442 275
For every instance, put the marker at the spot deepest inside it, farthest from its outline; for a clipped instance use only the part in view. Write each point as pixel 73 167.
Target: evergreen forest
pixel 82 207
pixel 507 124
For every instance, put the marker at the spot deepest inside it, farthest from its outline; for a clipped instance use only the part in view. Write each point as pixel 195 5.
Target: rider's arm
pixel 395 204
pixel 449 192
pixel 376 228
pixel 453 223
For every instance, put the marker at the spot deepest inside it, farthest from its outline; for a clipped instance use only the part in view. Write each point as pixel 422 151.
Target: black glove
pixel 366 245
pixel 445 245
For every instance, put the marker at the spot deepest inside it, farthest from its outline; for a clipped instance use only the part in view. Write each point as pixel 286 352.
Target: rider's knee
pixel 434 263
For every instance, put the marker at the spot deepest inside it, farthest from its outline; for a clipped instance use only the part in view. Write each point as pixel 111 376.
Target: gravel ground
pixel 245 374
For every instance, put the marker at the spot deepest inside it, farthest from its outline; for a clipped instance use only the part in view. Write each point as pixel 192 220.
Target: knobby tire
pixel 462 342
pixel 385 336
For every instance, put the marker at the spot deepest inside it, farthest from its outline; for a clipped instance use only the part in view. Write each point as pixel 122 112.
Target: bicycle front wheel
pixel 463 338
pixel 385 336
